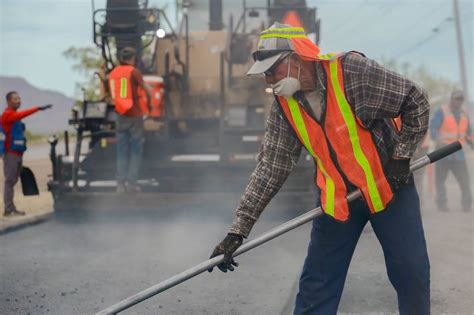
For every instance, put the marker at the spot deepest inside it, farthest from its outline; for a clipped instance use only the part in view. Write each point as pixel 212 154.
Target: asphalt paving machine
pixel 207 121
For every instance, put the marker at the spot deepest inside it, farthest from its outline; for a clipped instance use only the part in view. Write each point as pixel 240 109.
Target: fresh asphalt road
pixel 82 263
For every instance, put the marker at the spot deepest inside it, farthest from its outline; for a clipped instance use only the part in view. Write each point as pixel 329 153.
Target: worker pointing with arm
pixel 14 146
pixel 340 108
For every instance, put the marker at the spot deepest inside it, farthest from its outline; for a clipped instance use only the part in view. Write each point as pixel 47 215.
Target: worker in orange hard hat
pixel 339 107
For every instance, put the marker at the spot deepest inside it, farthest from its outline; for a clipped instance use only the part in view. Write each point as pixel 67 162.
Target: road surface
pixel 82 263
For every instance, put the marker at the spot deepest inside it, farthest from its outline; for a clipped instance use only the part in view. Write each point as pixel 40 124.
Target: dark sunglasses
pixel 262 55
pixel 270 71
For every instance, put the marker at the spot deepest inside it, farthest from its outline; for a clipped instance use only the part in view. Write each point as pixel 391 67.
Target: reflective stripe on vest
pixel 355 152
pixel 328 178
pixel 298 119
pixel 327 56
pixel 354 136
pixel 452 130
pixel 123 87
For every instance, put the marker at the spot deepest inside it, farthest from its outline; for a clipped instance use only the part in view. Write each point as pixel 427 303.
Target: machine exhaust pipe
pixel 215 15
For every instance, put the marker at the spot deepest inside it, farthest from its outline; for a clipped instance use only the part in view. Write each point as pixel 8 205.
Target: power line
pixel 377 15
pixel 412 26
pixel 434 32
pixel 416 45
pixel 346 20
pixel 383 11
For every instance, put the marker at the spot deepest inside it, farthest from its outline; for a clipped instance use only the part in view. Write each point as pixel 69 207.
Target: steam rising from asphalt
pixel 85 260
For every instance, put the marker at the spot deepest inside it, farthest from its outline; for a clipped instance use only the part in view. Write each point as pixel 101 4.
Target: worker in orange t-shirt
pixel 13 145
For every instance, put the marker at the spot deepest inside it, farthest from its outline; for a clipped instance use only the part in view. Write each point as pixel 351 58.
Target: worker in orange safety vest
pixel 132 104
pixel 451 123
pixel 339 107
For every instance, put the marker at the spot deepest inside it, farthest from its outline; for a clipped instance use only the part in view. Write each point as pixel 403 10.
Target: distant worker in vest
pixel 340 107
pixel 451 123
pixel 13 145
pixel 132 104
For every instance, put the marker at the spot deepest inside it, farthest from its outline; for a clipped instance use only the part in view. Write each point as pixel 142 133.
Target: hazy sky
pixel 34 33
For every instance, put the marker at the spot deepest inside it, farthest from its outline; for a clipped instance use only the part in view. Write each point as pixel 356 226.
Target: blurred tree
pixel 33 137
pixel 87 61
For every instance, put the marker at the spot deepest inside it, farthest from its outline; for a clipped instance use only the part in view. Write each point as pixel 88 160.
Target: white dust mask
pixel 287 86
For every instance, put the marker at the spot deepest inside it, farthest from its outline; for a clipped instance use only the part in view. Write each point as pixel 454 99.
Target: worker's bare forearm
pixel 278 155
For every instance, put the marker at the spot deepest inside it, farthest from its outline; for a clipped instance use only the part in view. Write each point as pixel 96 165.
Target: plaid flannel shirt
pixel 376 95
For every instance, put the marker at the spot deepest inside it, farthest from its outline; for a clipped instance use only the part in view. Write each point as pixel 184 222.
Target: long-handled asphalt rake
pixel 265 237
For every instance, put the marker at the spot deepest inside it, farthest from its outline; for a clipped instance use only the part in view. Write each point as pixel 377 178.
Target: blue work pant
pixel 400 232
pixel 130 138
pixel 461 174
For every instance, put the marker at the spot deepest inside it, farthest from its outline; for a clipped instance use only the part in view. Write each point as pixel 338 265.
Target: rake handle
pixel 265 237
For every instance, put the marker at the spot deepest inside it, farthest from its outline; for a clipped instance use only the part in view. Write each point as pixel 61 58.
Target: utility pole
pixel 462 64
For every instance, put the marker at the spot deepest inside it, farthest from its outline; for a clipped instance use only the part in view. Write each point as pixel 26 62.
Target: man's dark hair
pixel 10 95
pixel 126 54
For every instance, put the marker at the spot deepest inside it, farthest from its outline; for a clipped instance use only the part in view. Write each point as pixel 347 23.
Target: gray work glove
pixel 44 107
pixel 227 247
pixel 397 172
